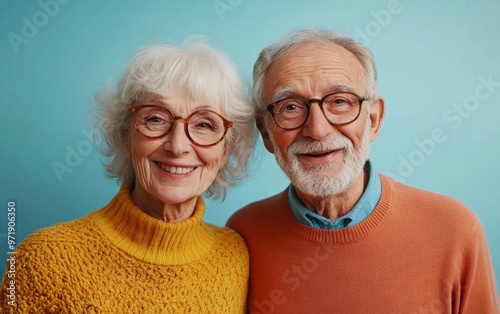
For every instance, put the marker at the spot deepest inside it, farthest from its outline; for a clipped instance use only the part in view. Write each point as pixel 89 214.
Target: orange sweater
pixel 120 260
pixel 418 252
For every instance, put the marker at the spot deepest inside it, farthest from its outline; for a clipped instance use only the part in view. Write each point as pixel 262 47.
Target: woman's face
pixel 171 169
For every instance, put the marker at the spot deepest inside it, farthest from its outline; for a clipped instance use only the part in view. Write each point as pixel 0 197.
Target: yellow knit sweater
pixel 120 260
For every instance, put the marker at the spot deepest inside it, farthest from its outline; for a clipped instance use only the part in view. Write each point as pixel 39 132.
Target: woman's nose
pixel 177 141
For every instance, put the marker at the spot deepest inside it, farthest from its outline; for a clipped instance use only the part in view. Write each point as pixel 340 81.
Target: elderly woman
pixel 178 126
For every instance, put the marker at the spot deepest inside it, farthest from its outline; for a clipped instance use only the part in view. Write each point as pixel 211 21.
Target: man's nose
pixel 316 126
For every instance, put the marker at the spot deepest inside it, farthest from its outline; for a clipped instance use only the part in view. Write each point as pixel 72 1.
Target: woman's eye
pixel 205 125
pixel 154 120
pixel 290 107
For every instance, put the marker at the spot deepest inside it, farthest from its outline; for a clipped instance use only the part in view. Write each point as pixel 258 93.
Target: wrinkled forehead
pixel 188 91
pixel 314 68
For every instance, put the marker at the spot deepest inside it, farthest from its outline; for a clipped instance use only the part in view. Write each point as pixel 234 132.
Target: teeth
pixel 176 170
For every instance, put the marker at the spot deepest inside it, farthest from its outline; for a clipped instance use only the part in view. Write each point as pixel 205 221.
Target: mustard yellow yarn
pixel 120 260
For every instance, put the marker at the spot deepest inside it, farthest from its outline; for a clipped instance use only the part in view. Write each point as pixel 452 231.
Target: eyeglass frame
pixel 133 109
pixel 271 106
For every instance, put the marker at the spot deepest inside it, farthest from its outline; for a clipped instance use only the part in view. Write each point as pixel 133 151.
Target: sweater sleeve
pixel 31 289
pixel 476 290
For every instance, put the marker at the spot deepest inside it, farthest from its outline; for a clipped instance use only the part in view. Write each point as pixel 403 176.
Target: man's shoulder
pixel 431 203
pixel 258 210
pixel 412 193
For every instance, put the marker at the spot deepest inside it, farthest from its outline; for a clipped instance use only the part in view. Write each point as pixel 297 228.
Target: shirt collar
pixel 361 210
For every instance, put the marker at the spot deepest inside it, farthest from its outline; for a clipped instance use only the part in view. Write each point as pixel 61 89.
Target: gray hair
pixel 307 35
pixel 194 70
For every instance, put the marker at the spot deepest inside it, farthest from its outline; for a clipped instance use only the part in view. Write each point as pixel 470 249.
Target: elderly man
pixel 341 238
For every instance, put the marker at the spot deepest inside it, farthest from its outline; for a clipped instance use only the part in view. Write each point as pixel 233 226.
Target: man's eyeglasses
pixel 204 128
pixel 338 108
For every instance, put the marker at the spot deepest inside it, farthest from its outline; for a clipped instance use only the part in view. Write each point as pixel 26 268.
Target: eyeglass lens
pixel 338 108
pixel 203 127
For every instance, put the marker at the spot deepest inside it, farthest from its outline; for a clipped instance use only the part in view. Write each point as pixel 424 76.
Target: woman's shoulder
pixel 229 249
pixel 223 232
pixel 227 236
pixel 59 236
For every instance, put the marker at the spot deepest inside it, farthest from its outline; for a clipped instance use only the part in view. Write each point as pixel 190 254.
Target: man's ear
pixel 259 121
pixel 377 114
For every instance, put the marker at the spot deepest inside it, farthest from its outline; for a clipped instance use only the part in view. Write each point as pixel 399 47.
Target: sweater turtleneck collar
pixel 150 239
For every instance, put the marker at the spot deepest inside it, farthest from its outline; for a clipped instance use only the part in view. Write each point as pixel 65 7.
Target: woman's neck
pixel 160 210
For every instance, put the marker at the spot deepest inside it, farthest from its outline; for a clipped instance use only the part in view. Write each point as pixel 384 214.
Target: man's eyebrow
pixel 286 92
pixel 282 92
pixel 334 88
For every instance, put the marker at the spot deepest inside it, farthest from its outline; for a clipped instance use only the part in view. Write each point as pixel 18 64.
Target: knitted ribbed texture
pixel 120 260
pixel 417 252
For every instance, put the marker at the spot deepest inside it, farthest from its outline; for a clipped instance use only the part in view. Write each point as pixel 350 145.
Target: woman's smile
pixel 178 170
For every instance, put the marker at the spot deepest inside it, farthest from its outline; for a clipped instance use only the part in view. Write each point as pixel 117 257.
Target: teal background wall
pixel 439 67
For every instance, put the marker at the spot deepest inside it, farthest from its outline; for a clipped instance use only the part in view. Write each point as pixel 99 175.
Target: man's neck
pixel 336 206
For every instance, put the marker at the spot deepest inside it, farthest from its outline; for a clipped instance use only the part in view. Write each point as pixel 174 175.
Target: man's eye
pixel 340 101
pixel 289 105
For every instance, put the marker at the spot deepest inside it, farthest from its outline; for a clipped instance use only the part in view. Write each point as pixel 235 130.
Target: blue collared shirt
pixel 360 212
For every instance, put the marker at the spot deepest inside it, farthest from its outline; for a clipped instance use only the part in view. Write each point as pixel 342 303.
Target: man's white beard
pixel 322 180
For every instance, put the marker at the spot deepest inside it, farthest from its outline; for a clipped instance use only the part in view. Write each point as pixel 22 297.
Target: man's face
pixel 319 158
